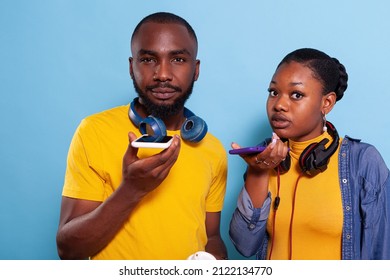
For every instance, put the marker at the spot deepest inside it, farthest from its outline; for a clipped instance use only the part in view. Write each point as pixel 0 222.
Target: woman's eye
pixel 296 95
pixel 272 92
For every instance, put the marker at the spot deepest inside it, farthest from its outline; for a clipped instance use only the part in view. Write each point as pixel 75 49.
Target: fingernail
pixel 274 139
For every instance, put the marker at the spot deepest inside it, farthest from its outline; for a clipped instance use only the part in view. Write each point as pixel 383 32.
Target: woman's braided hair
pixel 329 71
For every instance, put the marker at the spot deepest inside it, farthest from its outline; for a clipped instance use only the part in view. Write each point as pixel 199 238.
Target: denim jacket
pixel 365 190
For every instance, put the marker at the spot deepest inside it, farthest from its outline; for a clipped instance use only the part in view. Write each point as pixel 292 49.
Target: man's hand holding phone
pixel 146 141
pixel 142 176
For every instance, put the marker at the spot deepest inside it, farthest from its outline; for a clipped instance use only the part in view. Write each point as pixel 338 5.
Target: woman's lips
pixel 279 122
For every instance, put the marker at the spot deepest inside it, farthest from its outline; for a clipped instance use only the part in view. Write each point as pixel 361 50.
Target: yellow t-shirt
pixel 317 217
pixel 169 223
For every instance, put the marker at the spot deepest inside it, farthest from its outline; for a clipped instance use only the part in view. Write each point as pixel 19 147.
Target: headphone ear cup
pixel 285 165
pixel 307 158
pixel 154 127
pixel 194 129
pixel 133 115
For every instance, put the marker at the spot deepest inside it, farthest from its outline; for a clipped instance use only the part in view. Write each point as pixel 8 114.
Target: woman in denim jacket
pixel 311 194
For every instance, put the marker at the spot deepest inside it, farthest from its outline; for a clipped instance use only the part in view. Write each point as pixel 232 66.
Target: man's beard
pixel 163 111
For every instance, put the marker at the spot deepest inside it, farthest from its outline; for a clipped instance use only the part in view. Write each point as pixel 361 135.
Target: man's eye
pixel 178 59
pixel 146 60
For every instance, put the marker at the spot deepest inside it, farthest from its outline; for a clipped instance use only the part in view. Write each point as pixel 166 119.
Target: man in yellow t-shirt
pixel 121 202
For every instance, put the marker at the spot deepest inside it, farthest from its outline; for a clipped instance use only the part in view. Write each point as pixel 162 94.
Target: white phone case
pixel 140 142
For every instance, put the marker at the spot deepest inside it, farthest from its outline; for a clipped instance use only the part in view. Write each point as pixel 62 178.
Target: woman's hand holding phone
pixel 262 157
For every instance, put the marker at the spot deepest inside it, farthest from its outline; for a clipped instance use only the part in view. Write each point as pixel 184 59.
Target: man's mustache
pixel 164 85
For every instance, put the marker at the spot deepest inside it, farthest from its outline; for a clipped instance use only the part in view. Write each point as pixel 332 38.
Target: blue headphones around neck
pixel 193 129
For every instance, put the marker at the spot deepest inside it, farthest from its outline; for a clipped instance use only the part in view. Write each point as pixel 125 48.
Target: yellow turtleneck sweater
pixel 317 218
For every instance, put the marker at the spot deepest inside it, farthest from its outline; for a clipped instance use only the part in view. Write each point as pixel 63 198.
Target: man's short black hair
pixel 165 18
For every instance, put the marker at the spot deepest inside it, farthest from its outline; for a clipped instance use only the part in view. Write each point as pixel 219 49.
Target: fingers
pixel 277 152
pixel 272 156
pixel 131 153
pixel 145 174
pixel 162 162
pixel 167 158
pixel 234 145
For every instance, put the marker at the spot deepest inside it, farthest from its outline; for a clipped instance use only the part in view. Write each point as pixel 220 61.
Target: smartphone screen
pixel 146 141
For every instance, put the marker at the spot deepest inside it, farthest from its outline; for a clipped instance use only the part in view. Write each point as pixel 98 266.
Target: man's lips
pixel 164 91
pixel 163 94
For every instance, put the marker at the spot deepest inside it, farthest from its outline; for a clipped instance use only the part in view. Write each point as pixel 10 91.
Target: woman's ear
pixel 328 101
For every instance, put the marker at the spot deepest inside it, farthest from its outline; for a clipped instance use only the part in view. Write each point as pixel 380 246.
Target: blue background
pixel 63 60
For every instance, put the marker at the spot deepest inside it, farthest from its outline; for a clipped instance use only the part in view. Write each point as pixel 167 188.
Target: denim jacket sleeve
pixel 365 185
pixel 248 226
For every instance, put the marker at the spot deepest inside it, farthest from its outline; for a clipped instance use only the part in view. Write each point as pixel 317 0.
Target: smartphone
pixel 146 141
pixel 247 150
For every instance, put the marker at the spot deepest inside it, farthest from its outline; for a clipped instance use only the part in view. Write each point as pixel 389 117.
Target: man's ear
pixel 197 70
pixel 131 68
pixel 329 100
